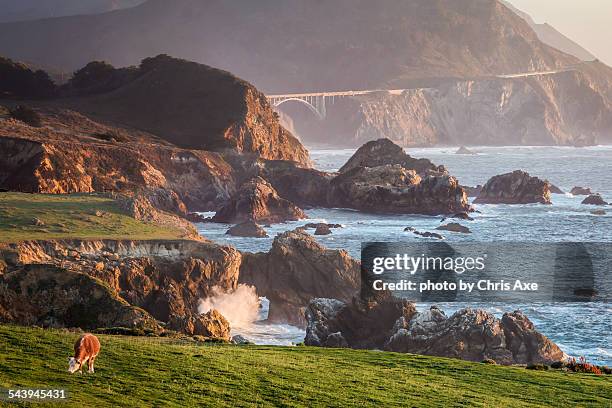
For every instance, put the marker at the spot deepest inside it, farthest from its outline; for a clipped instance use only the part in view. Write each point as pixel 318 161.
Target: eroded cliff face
pixel 52 296
pixel 568 108
pixel 195 106
pixel 296 270
pixel 72 153
pixel 117 283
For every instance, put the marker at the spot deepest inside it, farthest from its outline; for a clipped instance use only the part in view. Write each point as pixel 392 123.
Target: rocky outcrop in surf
pixel 594 199
pixel 581 191
pixel 258 201
pixel 380 177
pixel 296 270
pixel 517 187
pixel 394 325
pixel 383 152
pixel 394 189
pixel 247 229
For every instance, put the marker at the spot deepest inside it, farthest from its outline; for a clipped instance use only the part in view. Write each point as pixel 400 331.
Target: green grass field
pixel 86 216
pixel 144 371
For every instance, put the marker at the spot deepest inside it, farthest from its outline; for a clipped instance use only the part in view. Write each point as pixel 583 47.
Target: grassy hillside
pixel 88 216
pixel 133 371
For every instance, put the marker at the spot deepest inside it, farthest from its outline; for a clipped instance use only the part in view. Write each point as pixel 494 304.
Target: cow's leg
pixel 91 364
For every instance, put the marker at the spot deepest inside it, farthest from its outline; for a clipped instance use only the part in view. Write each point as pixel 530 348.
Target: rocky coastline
pixel 394 325
pixel 249 170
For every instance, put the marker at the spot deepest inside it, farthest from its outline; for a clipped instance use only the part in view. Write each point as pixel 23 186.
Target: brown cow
pixel 86 349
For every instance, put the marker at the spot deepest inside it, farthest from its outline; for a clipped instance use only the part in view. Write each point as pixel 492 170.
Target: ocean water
pixel 580 329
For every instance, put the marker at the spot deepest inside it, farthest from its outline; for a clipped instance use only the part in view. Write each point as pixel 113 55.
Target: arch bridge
pixel 317 101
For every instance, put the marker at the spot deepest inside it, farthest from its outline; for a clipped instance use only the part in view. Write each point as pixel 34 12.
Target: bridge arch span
pixel 312 108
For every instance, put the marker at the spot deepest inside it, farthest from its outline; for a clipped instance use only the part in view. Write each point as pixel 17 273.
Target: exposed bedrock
pixel 581 191
pixel 380 177
pixel 594 199
pixel 394 189
pixel 258 201
pixel 517 187
pixel 383 152
pixel 167 279
pixel 487 111
pixel 296 270
pixel 247 229
pixel 211 324
pixel 356 324
pixel 468 334
pixel 48 295
pixel 47 161
pixel 303 186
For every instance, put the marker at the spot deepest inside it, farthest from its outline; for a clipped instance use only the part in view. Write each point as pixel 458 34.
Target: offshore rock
pixel 396 190
pixel 247 229
pixel 517 187
pixel 384 152
pixel 297 269
pixel 581 191
pixel 258 201
pixel 594 199
pixel 454 227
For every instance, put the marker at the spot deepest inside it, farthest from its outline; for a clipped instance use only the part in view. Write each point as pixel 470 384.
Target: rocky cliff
pixel 520 111
pixel 92 284
pixel 72 153
pixel 141 283
pixel 296 270
pixel 394 325
pixel 446 52
pixel 195 106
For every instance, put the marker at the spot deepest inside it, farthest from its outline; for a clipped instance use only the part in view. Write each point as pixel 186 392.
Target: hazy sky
pixel 587 22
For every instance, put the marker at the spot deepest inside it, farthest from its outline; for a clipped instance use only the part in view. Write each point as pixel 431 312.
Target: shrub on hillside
pixel 557 365
pixel 99 77
pixel 537 367
pixel 27 115
pixel 19 81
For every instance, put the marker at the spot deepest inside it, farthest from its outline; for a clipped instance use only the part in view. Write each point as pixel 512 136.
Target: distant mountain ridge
pixel 549 35
pixel 24 10
pixel 298 45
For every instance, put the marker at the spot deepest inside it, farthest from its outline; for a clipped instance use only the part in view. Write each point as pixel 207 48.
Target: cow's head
pixel 73 365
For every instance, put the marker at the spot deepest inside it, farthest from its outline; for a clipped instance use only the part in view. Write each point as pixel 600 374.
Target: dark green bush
pixel 537 367
pixel 99 77
pixel 557 364
pixel 123 331
pixel 19 81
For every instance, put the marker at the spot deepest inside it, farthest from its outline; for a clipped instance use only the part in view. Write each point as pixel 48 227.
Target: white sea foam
pixel 580 328
pixel 247 314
